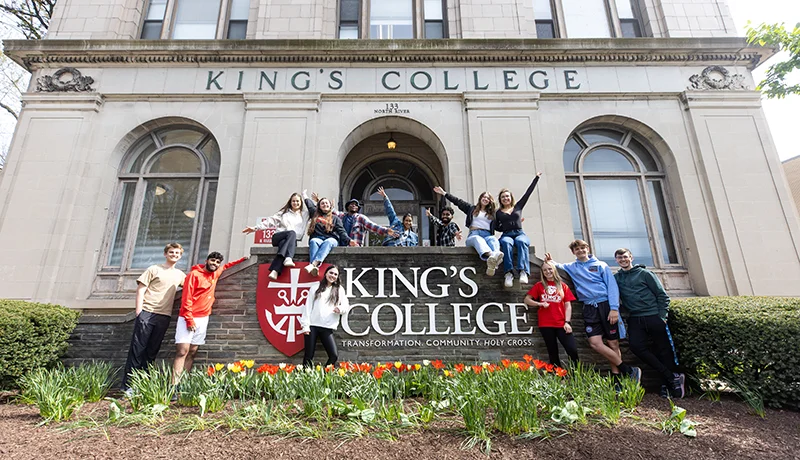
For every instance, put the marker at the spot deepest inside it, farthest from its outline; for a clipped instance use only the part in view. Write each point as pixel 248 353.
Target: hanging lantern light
pixel 391 144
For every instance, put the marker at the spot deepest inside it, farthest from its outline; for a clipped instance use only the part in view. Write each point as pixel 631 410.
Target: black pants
pixel 550 335
pixel 661 357
pixel 326 336
pixel 148 333
pixel 286 242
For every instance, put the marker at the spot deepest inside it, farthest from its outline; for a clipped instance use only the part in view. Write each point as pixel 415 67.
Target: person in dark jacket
pixel 325 230
pixel 509 222
pixel 643 297
pixel 481 224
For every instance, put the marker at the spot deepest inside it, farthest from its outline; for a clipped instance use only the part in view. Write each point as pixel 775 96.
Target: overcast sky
pixel 782 114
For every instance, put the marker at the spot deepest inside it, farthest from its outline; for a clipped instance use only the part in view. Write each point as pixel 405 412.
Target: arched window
pixel 617 197
pixel 167 189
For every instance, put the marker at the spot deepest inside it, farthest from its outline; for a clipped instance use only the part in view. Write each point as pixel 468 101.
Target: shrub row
pixel 747 342
pixel 32 336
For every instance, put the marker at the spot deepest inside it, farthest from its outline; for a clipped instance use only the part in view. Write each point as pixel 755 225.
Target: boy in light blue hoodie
pixel 597 290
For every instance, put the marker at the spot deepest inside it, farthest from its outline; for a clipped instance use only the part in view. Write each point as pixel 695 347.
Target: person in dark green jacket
pixel 643 297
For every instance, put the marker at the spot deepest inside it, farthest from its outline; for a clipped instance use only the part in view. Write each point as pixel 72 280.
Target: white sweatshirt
pixel 289 220
pixel 320 312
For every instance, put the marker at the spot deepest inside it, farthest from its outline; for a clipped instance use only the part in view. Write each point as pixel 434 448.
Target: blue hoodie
pixel 594 282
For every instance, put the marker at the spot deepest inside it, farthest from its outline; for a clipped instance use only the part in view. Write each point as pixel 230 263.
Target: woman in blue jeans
pixel 325 230
pixel 481 224
pixel 509 221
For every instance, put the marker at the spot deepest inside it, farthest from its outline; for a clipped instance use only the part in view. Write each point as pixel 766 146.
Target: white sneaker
pixel 523 278
pixel 509 280
pixel 314 271
pixel 309 268
pixel 288 262
pixel 498 255
pixel 491 265
pixel 273 275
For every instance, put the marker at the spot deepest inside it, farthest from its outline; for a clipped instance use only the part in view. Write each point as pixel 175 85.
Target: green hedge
pixel 32 335
pixel 749 342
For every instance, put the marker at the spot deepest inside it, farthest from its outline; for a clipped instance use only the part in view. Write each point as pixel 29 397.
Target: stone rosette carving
pixel 717 78
pixel 57 84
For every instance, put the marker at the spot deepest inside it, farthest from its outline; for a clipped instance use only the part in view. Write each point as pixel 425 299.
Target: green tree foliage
pixel 775 85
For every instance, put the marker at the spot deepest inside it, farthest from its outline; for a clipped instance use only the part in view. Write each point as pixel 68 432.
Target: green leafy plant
pixel 778 36
pixel 753 341
pixel 32 336
pixel 151 387
pixel 53 392
pixel 677 421
pixel 93 378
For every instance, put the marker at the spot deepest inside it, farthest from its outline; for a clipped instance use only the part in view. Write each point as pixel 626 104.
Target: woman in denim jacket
pixel 403 229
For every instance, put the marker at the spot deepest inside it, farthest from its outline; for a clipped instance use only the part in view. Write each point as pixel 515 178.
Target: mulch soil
pixel 726 430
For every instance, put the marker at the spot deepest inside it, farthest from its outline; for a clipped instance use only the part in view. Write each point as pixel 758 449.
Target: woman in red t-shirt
pixel 554 300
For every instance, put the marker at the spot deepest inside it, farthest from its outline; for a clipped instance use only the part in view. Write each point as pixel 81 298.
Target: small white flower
pixel 282 365
pixel 425 362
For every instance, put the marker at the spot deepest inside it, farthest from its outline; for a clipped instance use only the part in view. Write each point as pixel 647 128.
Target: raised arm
pixel 524 200
pixel 372 226
pixel 388 208
pixel 235 262
pixel 465 207
pixel 433 218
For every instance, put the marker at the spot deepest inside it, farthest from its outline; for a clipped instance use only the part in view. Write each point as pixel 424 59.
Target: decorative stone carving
pixel 717 77
pixel 54 83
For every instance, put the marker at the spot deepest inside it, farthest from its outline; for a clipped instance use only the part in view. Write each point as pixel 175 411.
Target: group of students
pixel 599 291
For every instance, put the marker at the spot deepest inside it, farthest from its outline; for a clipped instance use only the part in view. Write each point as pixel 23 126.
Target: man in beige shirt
pixel 154 299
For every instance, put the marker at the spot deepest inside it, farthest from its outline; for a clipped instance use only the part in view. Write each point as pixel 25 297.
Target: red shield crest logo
pixel 280 303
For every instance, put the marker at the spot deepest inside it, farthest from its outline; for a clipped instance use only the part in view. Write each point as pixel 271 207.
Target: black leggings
pixel 550 335
pixel 328 342
pixel 286 242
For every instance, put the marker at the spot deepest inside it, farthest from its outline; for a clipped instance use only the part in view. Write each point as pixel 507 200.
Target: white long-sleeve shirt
pixel 289 220
pixel 320 312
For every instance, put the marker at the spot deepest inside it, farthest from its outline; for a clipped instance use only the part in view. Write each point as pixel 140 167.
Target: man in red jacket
pixel 196 302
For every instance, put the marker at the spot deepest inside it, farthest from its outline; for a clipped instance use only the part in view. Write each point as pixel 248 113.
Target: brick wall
pixel 234 331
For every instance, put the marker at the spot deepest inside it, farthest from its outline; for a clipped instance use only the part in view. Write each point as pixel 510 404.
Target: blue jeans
pixel 516 239
pixel 483 241
pixel 318 249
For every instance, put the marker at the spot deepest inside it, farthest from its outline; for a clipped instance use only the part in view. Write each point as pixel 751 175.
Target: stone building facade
pixel 150 121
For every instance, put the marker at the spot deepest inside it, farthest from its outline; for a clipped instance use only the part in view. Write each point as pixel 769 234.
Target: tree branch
pixel 10 110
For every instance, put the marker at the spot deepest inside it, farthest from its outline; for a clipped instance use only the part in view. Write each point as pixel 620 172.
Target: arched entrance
pixel 408 173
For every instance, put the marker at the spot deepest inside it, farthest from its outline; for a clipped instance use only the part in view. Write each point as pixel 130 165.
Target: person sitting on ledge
pixel 448 231
pixel 481 224
pixel 325 231
pixel 404 229
pixel 356 225
pixel 509 222
pixel 198 297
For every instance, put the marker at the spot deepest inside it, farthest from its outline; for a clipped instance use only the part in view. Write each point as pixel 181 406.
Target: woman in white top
pixel 290 224
pixel 326 303
pixel 482 225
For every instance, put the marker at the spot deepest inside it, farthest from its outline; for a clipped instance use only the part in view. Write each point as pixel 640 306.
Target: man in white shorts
pixel 196 302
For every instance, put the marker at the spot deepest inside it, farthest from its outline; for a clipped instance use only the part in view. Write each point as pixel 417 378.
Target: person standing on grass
pixel 554 300
pixel 645 300
pixel 447 231
pixel 405 235
pixel 290 225
pixel 481 224
pixel 326 302
pixel 597 289
pixel 198 297
pixel 325 231
pixel 154 298
pixel 509 222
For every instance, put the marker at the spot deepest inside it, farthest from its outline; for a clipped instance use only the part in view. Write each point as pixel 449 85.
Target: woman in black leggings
pixel 326 303
pixel 554 300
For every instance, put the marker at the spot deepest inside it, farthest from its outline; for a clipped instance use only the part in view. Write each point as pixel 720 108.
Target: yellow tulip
pixel 249 363
pixel 417 367
pixel 398 363
pixel 219 366
pixel 341 372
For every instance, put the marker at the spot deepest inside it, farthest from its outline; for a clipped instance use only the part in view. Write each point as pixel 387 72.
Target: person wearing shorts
pixel 198 297
pixel 597 290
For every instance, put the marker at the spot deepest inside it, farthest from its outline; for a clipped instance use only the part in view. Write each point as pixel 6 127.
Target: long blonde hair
pixel 556 278
pixel 490 208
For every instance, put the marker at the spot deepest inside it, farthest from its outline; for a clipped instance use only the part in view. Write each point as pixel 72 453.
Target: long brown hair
pixel 499 197
pixel 490 208
pixel 326 218
pixel 288 206
pixel 333 297
pixel 556 278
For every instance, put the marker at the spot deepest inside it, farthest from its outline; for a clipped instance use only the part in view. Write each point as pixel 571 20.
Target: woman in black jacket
pixel 509 221
pixel 325 230
pixel 481 224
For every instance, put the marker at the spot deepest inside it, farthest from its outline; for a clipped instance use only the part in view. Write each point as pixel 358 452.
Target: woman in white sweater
pixel 326 303
pixel 290 224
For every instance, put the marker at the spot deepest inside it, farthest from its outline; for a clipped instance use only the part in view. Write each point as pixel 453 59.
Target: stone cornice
pixel 35 54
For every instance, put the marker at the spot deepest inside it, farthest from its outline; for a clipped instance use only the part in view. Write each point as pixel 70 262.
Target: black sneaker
pixel 636 374
pixel 617 383
pixel 678 389
pixel 664 393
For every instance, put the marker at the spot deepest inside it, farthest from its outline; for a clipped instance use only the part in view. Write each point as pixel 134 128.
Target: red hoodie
pixel 198 291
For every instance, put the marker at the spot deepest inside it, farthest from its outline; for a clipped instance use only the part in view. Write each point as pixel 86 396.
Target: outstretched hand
pixel 248 230
pixel 314 197
pixel 353 243
pixel 392 232
pixel 548 257
pixel 428 212
pixel 458 235
pixel 539 174
pixel 381 192
pixel 439 190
